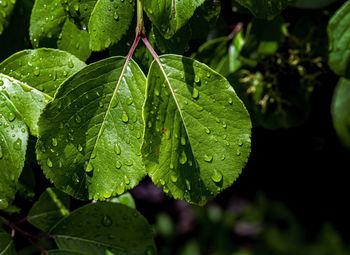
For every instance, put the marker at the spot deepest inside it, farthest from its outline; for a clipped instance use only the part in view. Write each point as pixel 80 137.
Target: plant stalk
pixel 140 28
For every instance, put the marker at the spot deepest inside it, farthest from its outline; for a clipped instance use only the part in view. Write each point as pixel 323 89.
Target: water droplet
pixel 197 79
pixel 208 74
pixel 126 180
pixel 106 221
pixel 116 16
pixel 224 125
pixel 183 158
pixel 49 162
pixel 117 149
pixel 207 130
pixel 70 63
pixel 118 165
pixel 120 189
pixel 89 166
pixel 128 163
pixel 125 118
pixel 11 116
pixel 240 143
pixel 162 182
pixel 54 142
pixel 77 118
pixel 208 158
pixel 195 93
pixel 183 140
pixel 238 153
pixel 18 144
pixel 217 176
pixel 36 71
pixel 173 178
pixel 188 184
pixel 108 43
pixel 230 101
pixel 156 92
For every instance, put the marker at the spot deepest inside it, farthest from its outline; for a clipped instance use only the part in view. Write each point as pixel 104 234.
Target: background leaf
pixel 168 15
pixel 6 8
pixel 46 21
pixel 109 21
pixel 341 111
pixel 6 244
pixel 52 206
pixel 197 136
pixel 98 112
pixel 265 9
pixel 118 229
pixel 80 11
pixel 74 40
pixel 13 144
pixel 339 41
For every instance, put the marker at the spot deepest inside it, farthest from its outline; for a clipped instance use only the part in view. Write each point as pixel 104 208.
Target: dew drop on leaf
pixel 217 176
pixel 18 144
pixel 106 221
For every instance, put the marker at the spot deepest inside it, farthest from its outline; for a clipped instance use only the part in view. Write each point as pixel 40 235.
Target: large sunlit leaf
pixel 197 136
pixel 341 111
pixel 90 134
pixel 52 206
pixel 43 69
pixel 170 15
pixel 118 229
pixel 339 41
pixel 265 9
pixel 109 21
pixel 46 21
pixel 6 8
pixel 13 144
pixel 6 244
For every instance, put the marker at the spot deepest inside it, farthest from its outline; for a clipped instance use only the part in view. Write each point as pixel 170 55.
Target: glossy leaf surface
pixel 43 69
pixel 46 21
pixel 52 206
pixel 109 21
pixel 170 15
pixel 95 152
pixel 118 229
pixel 197 136
pixel 13 144
pixel 339 41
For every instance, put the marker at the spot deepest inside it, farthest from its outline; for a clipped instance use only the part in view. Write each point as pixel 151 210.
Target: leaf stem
pixel 140 23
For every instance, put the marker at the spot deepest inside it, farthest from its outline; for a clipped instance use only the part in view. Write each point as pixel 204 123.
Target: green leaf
pixel 197 136
pixel 95 152
pixel 341 111
pixel 46 21
pixel 105 227
pixel 28 101
pixel 109 21
pixel 45 69
pixel 125 199
pixel 339 41
pixel 265 9
pixel 52 206
pixel 74 40
pixel 6 244
pixel 6 8
pixel 170 15
pixel 80 10
pixel 13 143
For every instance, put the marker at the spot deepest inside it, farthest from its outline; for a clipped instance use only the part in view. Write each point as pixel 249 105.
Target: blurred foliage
pixel 262 227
